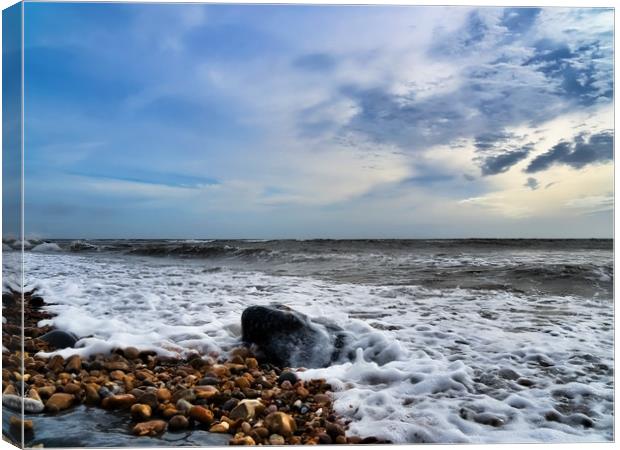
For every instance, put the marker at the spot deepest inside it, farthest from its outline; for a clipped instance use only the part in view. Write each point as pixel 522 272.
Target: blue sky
pixel 223 121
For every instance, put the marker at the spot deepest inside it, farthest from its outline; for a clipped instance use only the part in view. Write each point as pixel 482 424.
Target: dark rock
pixel 287 376
pixel 229 404
pixel 208 381
pixel 60 339
pixel 287 338
pixel 37 302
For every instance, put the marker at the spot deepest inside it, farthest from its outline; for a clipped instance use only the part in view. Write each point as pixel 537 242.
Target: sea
pixel 456 341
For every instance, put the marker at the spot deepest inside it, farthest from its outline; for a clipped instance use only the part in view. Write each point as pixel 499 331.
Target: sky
pixel 259 121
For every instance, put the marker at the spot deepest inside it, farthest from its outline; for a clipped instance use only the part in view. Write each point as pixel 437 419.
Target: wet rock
pixel 178 422
pixel 58 402
pixel 60 339
pixel 91 396
pixel 525 382
pixel 118 401
pixel 200 414
pixel 46 391
pixel 247 409
pixel 508 374
pixel 334 429
pixel 280 423
pixel 131 353
pixel 205 392
pixel 141 411
pixel 286 337
pixel 149 398
pixel 150 428
pixel 287 376
pixel 72 388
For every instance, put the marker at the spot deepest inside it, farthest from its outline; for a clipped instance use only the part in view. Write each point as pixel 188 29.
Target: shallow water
pixel 458 342
pixel 94 427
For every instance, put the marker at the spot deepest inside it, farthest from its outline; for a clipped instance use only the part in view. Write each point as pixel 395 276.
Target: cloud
pixel 597 148
pixel 532 183
pixel 501 163
pixel 315 62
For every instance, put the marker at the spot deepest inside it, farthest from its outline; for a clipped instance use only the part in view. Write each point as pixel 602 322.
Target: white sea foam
pixel 450 365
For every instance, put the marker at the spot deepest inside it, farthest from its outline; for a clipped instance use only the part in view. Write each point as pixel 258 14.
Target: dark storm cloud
pixel 531 183
pixel 577 154
pixel 501 163
pixel 519 84
pixel 583 74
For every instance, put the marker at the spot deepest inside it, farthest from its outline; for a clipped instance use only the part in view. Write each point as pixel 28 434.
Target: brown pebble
pixel 221 427
pixel 117 375
pixel 170 412
pixel 120 401
pixel 163 395
pixel 242 383
pixel 205 392
pixel 262 432
pixel 245 440
pixel 341 439
pixel 246 427
pixel 141 411
pixel 280 423
pixel 322 399
pixel 74 364
pixel 178 422
pixel 324 439
pixel 59 401
pixel 91 394
pixel 184 394
pixel 47 391
pixel 247 409
pixel 131 352
pixel 251 363
pixel 200 414
pixel 150 428
pixel 71 388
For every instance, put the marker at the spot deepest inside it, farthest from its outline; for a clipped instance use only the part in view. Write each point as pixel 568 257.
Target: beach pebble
pixel 150 428
pixel 508 374
pixel 148 398
pixel 322 399
pixel 247 409
pixel 131 353
pixel 200 414
pixel 74 364
pixel 221 427
pixel 59 401
pixel 141 411
pixel 91 394
pixel 47 391
pixel 205 392
pixel 178 422
pixel 246 427
pixel 242 440
pixel 72 388
pixel 276 439
pixel 251 363
pixel 208 381
pixel 163 395
pixel 59 339
pixel 119 401
pixel 287 376
pixel 229 404
pixel 184 394
pixel 183 405
pixel 280 423
pixel 324 439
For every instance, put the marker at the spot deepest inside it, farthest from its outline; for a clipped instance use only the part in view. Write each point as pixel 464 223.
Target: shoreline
pixel 232 394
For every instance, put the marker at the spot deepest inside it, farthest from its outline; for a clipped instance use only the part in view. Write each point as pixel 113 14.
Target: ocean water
pixel 481 341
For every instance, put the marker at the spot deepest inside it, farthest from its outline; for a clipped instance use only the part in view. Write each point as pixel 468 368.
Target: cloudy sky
pixel 316 121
